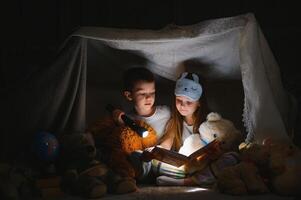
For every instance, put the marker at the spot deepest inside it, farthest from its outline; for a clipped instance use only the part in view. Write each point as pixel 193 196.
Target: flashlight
pixel 130 123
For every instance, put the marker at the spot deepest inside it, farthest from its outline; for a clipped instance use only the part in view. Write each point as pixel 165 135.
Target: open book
pixel 210 151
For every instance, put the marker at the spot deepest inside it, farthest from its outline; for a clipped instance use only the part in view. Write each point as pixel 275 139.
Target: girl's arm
pixel 167 140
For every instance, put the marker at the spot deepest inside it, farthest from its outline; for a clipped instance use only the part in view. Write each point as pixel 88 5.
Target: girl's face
pixel 185 106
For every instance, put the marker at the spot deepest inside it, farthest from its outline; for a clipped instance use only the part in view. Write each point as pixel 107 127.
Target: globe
pixel 45 146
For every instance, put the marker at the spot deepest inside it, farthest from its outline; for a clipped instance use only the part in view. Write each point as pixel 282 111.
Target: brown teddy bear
pixel 245 177
pixel 271 166
pixel 285 168
pixel 117 142
pixel 83 174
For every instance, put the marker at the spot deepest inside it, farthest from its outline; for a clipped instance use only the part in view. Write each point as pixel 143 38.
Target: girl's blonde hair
pixel 175 124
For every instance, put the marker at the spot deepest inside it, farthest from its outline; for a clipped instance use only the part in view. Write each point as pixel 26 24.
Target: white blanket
pixel 220 49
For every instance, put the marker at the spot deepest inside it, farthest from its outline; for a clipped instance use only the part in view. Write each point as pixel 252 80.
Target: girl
pixel 189 111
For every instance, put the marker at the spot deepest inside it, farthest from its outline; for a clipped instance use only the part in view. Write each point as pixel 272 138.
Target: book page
pixel 176 159
pixel 169 156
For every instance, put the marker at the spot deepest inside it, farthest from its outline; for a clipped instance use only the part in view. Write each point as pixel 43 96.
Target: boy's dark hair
pixel 133 75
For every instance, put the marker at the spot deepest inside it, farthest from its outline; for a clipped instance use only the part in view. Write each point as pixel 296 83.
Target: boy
pixel 139 88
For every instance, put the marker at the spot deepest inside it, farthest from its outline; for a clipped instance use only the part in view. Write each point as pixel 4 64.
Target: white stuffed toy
pixel 222 130
pixel 215 127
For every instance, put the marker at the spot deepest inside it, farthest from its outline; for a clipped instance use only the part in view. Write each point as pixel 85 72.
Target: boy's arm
pixel 166 141
pixel 116 114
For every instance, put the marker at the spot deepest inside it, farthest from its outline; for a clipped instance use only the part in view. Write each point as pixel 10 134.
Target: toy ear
pixel 128 95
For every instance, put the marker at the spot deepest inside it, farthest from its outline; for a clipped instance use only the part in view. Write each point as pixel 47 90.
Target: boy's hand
pixel 149 149
pixel 147 154
pixel 117 116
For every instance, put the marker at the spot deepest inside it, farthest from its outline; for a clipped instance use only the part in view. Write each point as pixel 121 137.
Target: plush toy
pixel 17 182
pixel 214 128
pixel 85 176
pixel 271 166
pixel 117 142
pixel 285 168
pixel 245 177
pixel 223 130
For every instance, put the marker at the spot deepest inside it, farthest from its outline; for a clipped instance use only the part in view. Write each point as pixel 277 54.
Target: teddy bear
pixel 244 177
pixel 285 167
pixel 266 167
pixel 215 128
pixel 17 182
pixel 223 130
pixel 117 142
pixel 83 174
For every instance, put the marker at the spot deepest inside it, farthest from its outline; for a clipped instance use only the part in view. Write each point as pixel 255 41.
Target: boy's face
pixel 143 97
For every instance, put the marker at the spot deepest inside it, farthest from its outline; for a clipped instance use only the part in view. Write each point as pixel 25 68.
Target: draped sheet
pixel 244 82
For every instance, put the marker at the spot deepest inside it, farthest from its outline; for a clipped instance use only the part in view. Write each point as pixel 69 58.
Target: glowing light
pixel 145 134
pixel 196 189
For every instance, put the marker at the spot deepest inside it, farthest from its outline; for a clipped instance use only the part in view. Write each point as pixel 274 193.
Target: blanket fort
pixel 231 53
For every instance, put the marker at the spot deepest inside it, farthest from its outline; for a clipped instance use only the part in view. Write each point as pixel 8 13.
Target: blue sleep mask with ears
pixel 186 87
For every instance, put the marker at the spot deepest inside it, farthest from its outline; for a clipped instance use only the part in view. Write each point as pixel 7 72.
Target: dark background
pixel 34 29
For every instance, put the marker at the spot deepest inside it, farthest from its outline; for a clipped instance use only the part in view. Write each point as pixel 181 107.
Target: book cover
pixel 210 151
